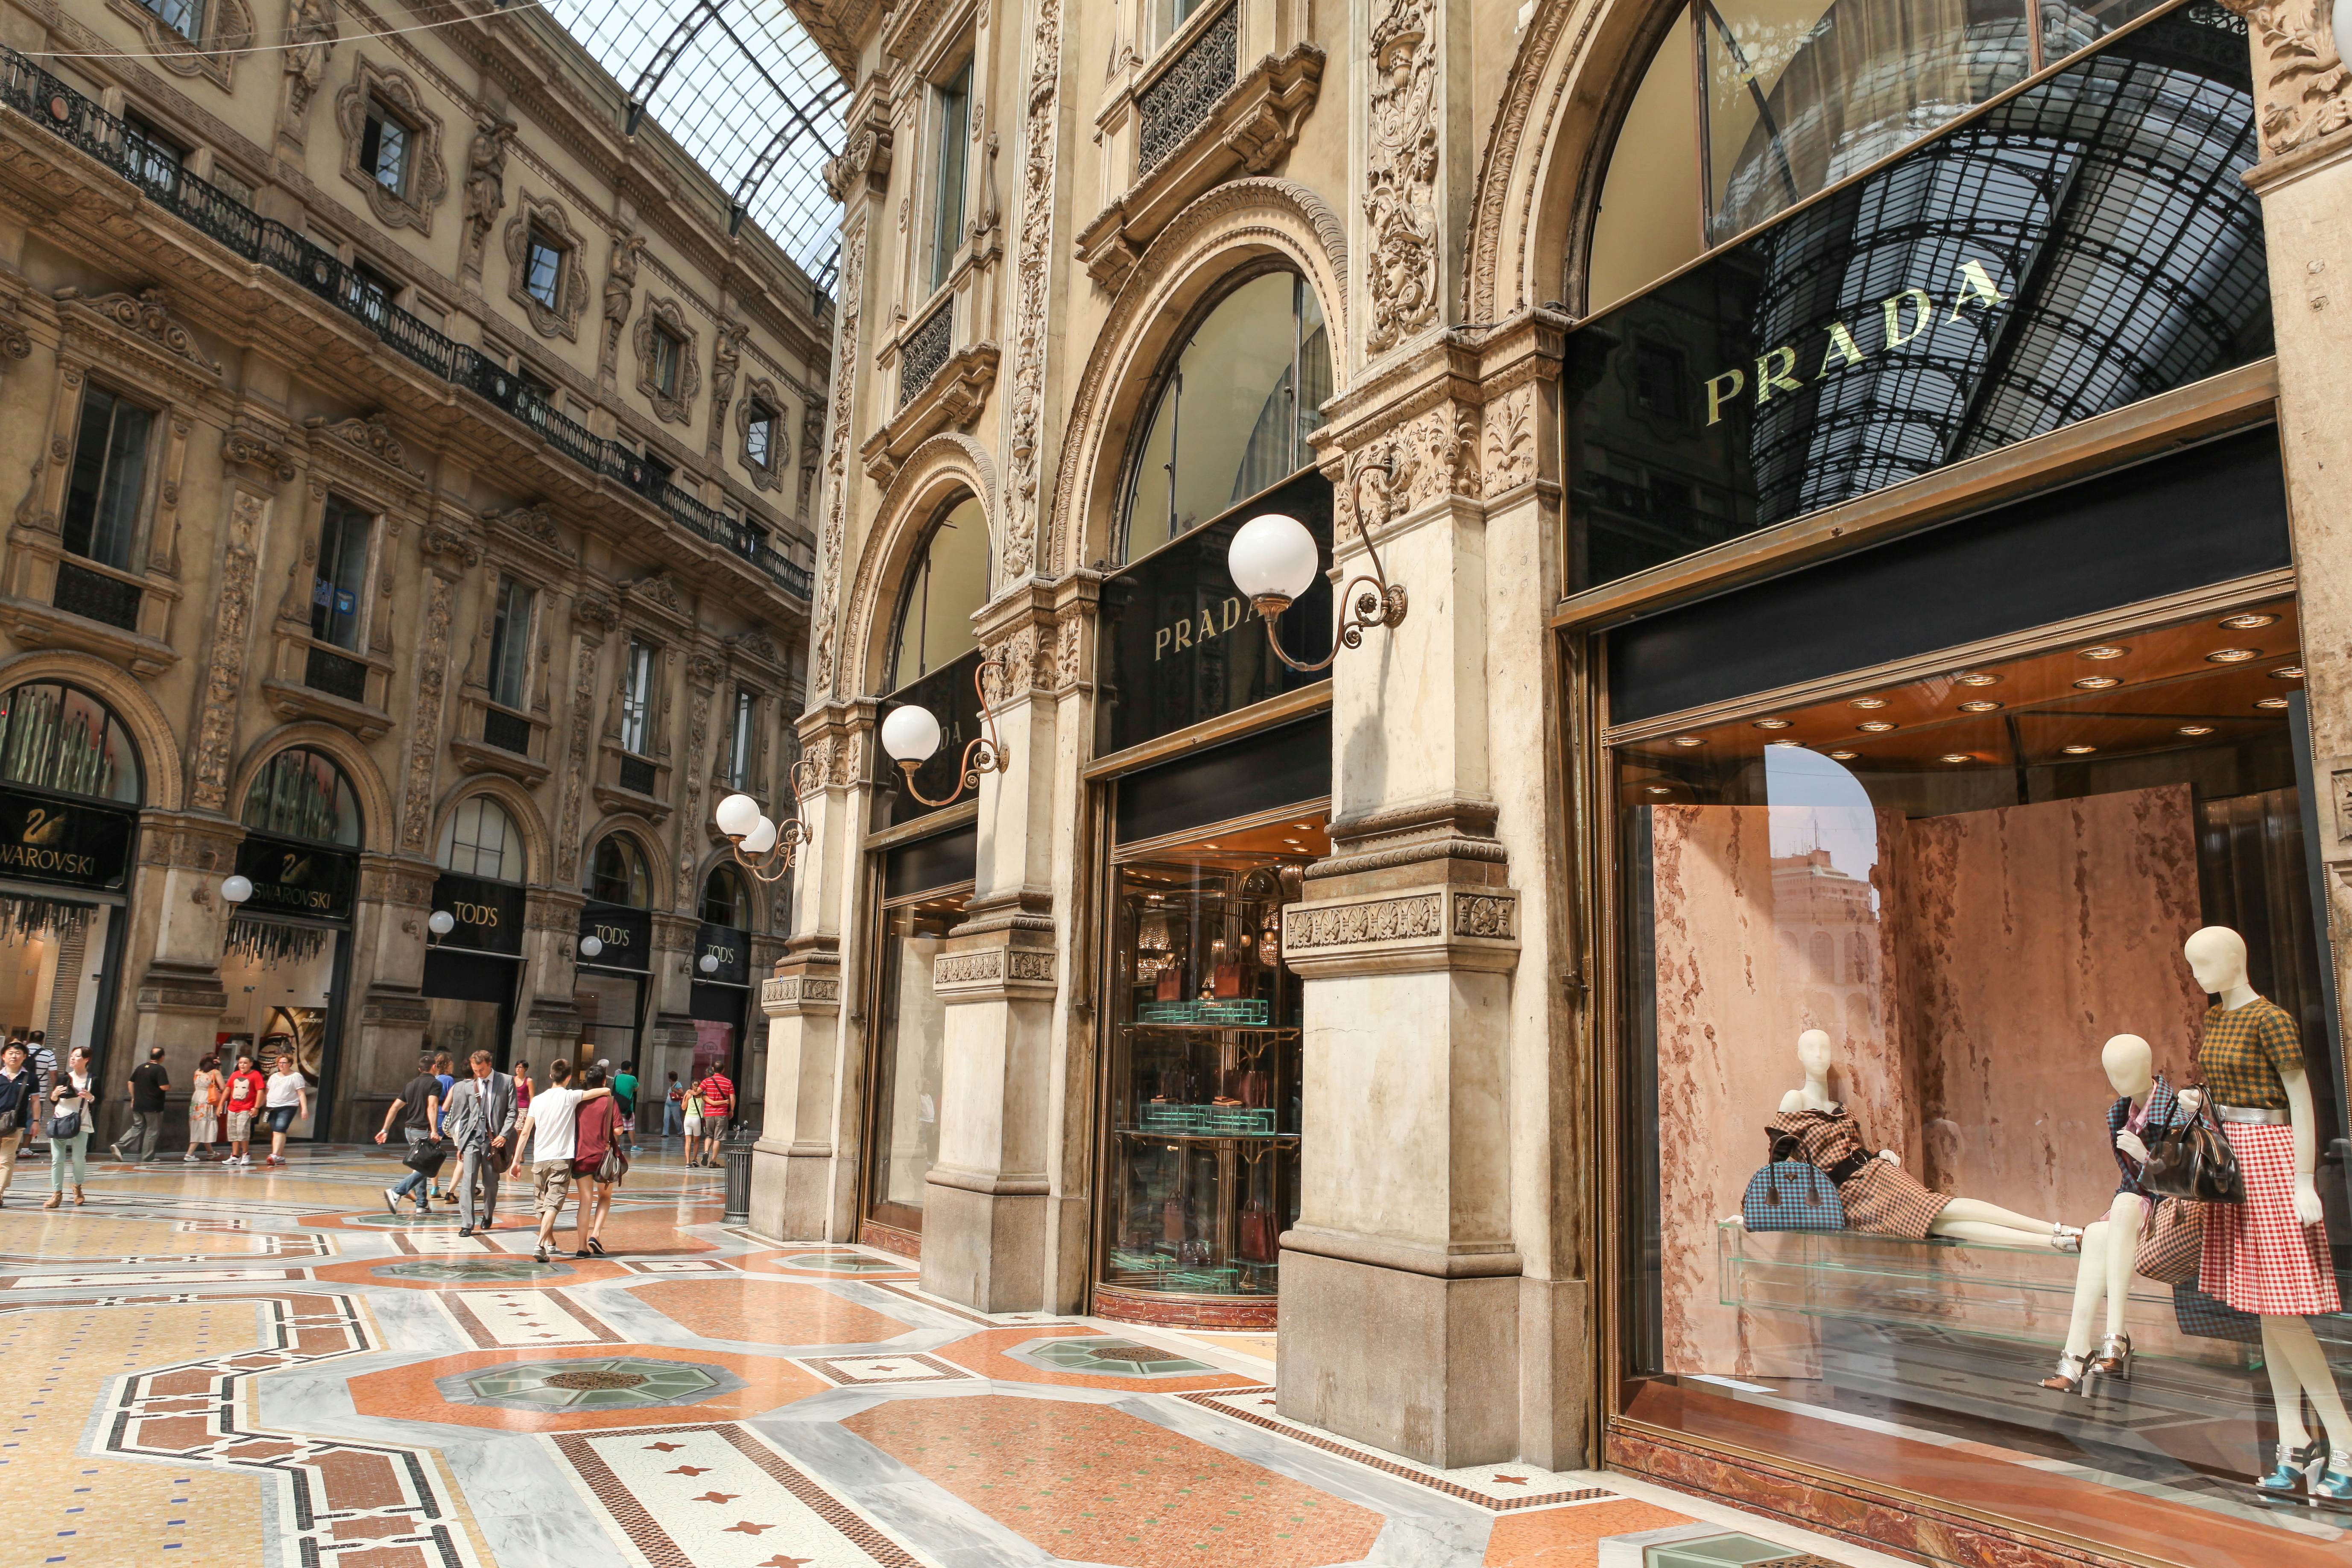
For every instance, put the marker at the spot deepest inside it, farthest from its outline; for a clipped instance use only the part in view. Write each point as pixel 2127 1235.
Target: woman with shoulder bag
pixel 20 1105
pixel 72 1103
pixel 598 1162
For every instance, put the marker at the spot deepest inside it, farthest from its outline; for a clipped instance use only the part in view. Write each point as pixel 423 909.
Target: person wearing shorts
pixel 290 1096
pixel 549 1132
pixel 246 1086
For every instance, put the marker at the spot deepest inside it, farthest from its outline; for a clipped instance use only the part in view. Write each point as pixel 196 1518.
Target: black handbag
pixel 428 1156
pixel 2193 1159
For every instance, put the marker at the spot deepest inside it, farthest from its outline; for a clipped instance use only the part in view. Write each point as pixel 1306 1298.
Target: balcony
pixel 51 104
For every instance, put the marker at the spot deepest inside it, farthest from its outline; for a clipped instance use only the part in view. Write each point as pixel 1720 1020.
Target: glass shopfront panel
pixel 924 887
pixel 1899 961
pixel 608 987
pixel 471 974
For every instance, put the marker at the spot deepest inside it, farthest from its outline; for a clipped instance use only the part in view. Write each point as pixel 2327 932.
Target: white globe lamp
pixel 736 815
pixel 589 946
pixel 236 890
pixel 760 838
pixel 1274 561
pixel 441 922
pixel 710 963
pixel 910 734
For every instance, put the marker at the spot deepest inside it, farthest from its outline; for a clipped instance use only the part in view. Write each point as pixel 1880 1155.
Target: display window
pixel 472 971
pixel 911 1031
pixel 1916 966
pixel 608 987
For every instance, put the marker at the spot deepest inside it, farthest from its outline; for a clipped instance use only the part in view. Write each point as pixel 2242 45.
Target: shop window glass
pixel 338 588
pixel 616 872
pixel 510 643
pixel 107 491
pixel 725 899
pixel 952 106
pixel 1951 916
pixel 1233 418
pixel 301 794
pixel 479 840
pixel 907 1059
pixel 945 581
pixel 637 699
pixel 62 739
pixel 1204 1065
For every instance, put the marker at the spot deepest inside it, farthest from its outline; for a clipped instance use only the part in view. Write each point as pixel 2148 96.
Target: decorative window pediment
pixel 669 384
pixel 193 37
pixel 407 203
pixel 555 304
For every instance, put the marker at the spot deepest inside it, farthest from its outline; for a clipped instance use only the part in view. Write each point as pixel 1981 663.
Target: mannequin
pixel 2110 1244
pixel 2265 1255
pixel 1879 1195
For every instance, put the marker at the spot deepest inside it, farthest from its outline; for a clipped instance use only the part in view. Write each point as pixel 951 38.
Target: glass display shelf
pixel 1149 1135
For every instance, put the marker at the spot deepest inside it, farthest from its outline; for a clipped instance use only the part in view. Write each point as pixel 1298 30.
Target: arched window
pixel 301 794
pixel 1750 106
pixel 945 581
pixel 1821 955
pixel 1233 415
pixel 616 872
pixel 479 840
pixel 61 738
pixel 725 899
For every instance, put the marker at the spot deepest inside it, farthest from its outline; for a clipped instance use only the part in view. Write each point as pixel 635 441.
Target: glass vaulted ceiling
pixel 743 88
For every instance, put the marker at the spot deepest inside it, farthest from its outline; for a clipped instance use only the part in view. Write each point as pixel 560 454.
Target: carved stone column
pixel 550 925
pixel 984 1212
pixel 384 1034
pixel 448 557
pixel 179 998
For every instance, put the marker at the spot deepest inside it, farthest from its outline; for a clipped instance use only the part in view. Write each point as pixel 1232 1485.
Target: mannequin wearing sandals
pixel 2110 1244
pixel 1877 1194
pixel 2267 1255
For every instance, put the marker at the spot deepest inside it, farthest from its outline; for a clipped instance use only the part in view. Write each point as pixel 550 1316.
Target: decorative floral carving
pixel 1349 925
pixel 756 644
pixel 428 176
pixel 486 190
pixel 698 734
pixel 963 968
pixel 535 523
pixel 147 314
pixel 1401 191
pixel 1482 914
pixel 597 611
pixel 2306 90
pixel 232 618
pixel 655 588
pixel 1510 440
pixel 425 729
pixel 224 36
pixel 663 314
pixel 563 318
pixel 1067 657
pixel 811 448
pixel 583 695
pixel 309 40
pixel 369 434
pixel 864 158
pixel 620 283
pixel 836 502
pixel 1032 275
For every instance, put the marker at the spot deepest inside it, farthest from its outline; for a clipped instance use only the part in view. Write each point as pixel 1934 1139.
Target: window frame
pixel 194 9
pixel 506 581
pixel 948 165
pixel 537 240
pixel 637 697
pixel 360 590
pixel 669 353
pixel 741 735
pixel 640 870
pixel 760 418
pixel 509 846
pixel 916 583
pixel 375 117
pixel 147 484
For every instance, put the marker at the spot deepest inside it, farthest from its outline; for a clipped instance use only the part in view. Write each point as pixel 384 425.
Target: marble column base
pixel 1419 1365
pixel 791 1193
pixel 985 1250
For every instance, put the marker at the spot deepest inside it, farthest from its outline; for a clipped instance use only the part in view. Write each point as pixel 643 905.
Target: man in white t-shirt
pixel 549 1130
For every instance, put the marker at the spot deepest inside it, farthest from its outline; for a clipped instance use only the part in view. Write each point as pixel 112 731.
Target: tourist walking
pixel 20 1104
pixel 287 1096
pixel 479 1119
pixel 548 1133
pixel 599 1159
pixel 523 1108
pixel 245 1088
pixel 445 1073
pixel 419 1106
pixel 718 1095
pixel 624 1096
pixel 204 1109
pixel 149 1083
pixel 73 1101
pixel 673 1108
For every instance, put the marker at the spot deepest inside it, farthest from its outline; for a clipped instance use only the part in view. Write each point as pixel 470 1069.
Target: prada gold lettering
pixel 1841 350
pixel 1730 383
pixel 1773 370
pixel 1923 308
pixel 1212 621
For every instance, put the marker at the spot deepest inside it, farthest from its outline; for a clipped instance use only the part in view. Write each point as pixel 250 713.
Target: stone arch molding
pixel 947 464
pixel 538 845
pixel 158 752
pixel 1238 222
pixel 377 813
pixel 650 844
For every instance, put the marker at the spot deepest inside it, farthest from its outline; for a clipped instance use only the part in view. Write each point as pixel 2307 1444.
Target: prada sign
pixel 290 878
pixel 78 844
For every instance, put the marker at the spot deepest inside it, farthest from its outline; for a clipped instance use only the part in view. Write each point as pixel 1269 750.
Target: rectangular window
pixel 668 352
pixel 637 698
pixel 155 159
pixel 337 591
pixel 371 291
pixel 107 490
pixel 954 104
pixel 1165 18
pixel 759 437
pixel 185 17
pixel 543 270
pixel 383 150
pixel 511 644
pixel 232 184
pixel 739 760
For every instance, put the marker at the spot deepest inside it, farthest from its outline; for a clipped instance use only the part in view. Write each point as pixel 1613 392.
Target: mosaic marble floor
pixel 264 1367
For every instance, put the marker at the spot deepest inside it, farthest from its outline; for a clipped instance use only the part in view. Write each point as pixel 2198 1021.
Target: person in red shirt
pixel 241 1100
pixel 718 1105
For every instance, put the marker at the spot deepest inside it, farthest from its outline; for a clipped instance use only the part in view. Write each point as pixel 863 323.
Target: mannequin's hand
pixel 2306 1201
pixel 1891 1157
pixel 2132 1147
pixel 2190 1100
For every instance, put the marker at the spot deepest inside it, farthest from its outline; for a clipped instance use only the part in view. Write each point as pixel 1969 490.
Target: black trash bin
pixel 737 1156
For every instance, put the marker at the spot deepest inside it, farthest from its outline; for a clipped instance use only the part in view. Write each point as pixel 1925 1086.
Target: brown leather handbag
pixel 2193 1159
pixel 2173 1243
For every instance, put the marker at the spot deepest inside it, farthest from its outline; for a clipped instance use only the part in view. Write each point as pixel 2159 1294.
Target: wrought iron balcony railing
pixel 51 104
pixel 1178 99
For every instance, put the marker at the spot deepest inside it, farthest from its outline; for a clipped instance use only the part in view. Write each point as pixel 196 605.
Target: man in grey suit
pixel 478 1117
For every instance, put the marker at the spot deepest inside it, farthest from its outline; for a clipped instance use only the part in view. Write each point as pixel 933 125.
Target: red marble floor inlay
pixel 1570 1537
pixel 984 1353
pixel 765 1311
pixel 408 1392
pixel 1093 1483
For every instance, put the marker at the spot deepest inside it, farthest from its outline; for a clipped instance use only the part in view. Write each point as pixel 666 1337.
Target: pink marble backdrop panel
pixel 2028 935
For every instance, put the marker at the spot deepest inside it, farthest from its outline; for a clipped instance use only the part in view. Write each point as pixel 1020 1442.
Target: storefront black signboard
pixel 489 914
pixel 2075 248
pixel 1179 645
pixel 627 935
pixel 290 878
pixel 77 843
pixel 731 947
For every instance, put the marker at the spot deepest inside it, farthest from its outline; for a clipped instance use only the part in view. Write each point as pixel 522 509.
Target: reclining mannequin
pixel 2145 1101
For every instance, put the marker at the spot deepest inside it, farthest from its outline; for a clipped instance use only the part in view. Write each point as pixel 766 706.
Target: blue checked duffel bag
pixel 1790 1194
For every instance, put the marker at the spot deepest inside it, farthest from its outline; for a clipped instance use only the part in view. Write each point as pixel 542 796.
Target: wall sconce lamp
pixel 911 733
pixel 591 946
pixel 441 922
pixel 236 889
pixel 708 963
pixel 1274 561
pixel 762 848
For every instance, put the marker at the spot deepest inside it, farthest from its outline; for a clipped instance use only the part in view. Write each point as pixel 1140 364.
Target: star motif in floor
pixel 719 1497
pixel 745 1527
pixel 665 1447
pixel 689 1470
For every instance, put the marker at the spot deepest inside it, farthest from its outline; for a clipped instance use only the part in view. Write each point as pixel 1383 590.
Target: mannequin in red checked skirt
pixel 2268 1256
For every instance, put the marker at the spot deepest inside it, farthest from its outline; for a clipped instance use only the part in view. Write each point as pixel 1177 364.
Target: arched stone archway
pixel 375 800
pixel 648 841
pixel 159 751
pixel 938 470
pixel 539 854
pixel 1232 226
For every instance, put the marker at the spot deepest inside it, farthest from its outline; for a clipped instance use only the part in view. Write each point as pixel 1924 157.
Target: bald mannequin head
pixel 2217 957
pixel 2130 1065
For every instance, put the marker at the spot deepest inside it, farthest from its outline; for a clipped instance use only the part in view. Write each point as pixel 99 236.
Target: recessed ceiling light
pixel 2287 672
pixel 2096 682
pixel 1660 789
pixel 1980 706
pixel 1845 756
pixel 2078 749
pixel 1978 677
pixel 2253 620
pixel 2270 703
pixel 1772 723
pixel 2194 730
pixel 1958 757
pixel 2233 655
pixel 1867 702
pixel 2106 650
pixel 1688 741
pixel 1875 726
pixel 1800 744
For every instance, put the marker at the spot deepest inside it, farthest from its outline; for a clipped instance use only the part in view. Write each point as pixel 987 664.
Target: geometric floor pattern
pixel 261 1367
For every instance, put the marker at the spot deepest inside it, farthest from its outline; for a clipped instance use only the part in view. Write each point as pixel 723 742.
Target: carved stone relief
pixel 224 36
pixel 1400 200
pixel 2306 91
pixel 310 42
pixel 1346 925
pixel 836 463
pixel 1032 276
pixel 1510 452
pixel 663 314
pixel 486 190
pixel 563 318
pixel 811 449
pixel 726 364
pixel 428 176
pixel 425 728
pixel 149 314
pixel 216 744
pixel 620 285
